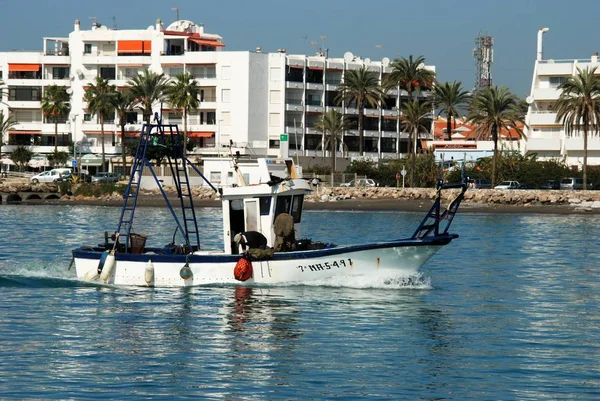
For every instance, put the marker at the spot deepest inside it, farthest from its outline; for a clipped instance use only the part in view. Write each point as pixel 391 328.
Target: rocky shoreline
pixel 337 198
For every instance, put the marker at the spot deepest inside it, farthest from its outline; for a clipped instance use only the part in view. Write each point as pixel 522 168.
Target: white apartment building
pixel 545 136
pixel 265 103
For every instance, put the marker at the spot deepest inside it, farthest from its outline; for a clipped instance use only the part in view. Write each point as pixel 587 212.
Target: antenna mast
pixel 483 54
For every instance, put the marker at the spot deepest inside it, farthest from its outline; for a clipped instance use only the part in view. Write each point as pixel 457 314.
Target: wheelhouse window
pixel 265 205
pixel 297 207
pixel 283 205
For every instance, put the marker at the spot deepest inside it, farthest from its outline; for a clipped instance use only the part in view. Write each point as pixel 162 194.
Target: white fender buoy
pixel 149 272
pixel 108 267
pixel 92 275
pixel 186 273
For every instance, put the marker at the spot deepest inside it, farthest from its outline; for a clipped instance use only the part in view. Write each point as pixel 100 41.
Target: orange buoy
pixel 243 270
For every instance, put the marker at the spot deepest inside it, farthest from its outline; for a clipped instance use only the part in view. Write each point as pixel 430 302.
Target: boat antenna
pixel 235 158
pixel 296 136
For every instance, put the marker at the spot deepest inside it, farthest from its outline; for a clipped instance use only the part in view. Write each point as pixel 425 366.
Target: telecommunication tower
pixel 483 53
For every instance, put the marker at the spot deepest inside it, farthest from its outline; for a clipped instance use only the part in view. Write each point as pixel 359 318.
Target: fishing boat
pixel 268 201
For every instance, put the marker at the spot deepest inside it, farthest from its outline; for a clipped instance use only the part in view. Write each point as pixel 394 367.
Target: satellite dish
pixel 367 60
pixel 69 91
pixel 529 99
pixel 348 57
pixel 385 61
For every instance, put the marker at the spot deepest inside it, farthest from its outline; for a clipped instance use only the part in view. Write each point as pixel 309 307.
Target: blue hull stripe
pixel 161 256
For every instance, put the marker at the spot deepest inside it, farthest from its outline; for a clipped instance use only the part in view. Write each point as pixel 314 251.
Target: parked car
pixel 526 186
pixel 105 178
pixel 47 176
pixel 508 185
pixel 480 184
pixel 570 183
pixel 551 184
pixel 361 182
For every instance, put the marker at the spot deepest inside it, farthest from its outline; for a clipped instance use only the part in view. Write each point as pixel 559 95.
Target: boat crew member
pixel 251 239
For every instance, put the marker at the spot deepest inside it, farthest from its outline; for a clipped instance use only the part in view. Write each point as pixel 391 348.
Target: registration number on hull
pixel 336 264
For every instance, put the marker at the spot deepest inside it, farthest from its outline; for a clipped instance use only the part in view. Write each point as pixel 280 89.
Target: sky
pixel 443 32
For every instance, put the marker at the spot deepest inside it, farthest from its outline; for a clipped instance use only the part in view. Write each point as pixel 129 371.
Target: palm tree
pixel 414 116
pixel 183 93
pixel 492 110
pixel 101 99
pixel 410 75
pixel 361 87
pixel 450 99
pixel 333 125
pixel 6 123
pixel 21 156
pixel 56 105
pixel 148 88
pixel 124 104
pixel 578 108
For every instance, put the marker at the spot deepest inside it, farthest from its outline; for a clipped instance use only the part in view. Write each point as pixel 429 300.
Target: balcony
pixel 314 86
pixel 576 143
pixel 390 113
pixel 28 126
pixel 543 118
pixel 290 129
pixel 24 104
pixel 546 93
pixel 542 144
pixel 294 84
pixel 552 68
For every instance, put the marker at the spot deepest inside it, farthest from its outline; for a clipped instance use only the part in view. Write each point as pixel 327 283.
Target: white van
pixel 54 175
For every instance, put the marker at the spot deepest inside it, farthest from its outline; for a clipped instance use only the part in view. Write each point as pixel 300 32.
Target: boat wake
pixel 391 280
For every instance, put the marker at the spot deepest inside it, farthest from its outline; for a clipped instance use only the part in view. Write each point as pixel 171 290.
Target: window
pixel 274 144
pixel 226 72
pixel 108 72
pixel 275 97
pixel 60 72
pixel 265 205
pixel 556 81
pixel 225 118
pixel 174 71
pixel 24 93
pixel 225 95
pixel 275 73
pixel 87 48
pixel 274 119
pixel 87 117
pixel 297 208
pixel 283 205
pixel 211 117
pixel 215 177
pixel 131 117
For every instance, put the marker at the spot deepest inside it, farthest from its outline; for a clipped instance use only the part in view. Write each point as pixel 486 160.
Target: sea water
pixel 510 310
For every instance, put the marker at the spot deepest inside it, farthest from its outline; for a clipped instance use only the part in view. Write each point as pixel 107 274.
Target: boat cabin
pixel 254 207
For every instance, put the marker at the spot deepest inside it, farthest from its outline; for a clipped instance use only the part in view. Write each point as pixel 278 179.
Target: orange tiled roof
pixel 466 131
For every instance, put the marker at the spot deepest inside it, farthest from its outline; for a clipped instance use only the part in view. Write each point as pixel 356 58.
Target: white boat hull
pixel 403 258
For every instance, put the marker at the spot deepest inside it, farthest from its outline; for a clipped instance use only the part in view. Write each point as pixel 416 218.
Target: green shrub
pixel 97 190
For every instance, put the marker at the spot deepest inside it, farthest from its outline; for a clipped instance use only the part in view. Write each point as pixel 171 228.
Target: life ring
pixel 243 270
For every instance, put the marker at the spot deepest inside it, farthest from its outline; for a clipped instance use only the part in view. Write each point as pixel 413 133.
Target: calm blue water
pixel 509 311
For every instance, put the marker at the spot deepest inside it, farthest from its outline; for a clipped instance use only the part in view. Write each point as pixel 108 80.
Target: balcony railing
pixel 297 102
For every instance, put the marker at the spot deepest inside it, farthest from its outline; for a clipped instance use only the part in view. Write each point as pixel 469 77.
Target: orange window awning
pixel 24 132
pixel 200 134
pixel 98 132
pixel 24 67
pixel 207 42
pixel 134 46
pixel 129 134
